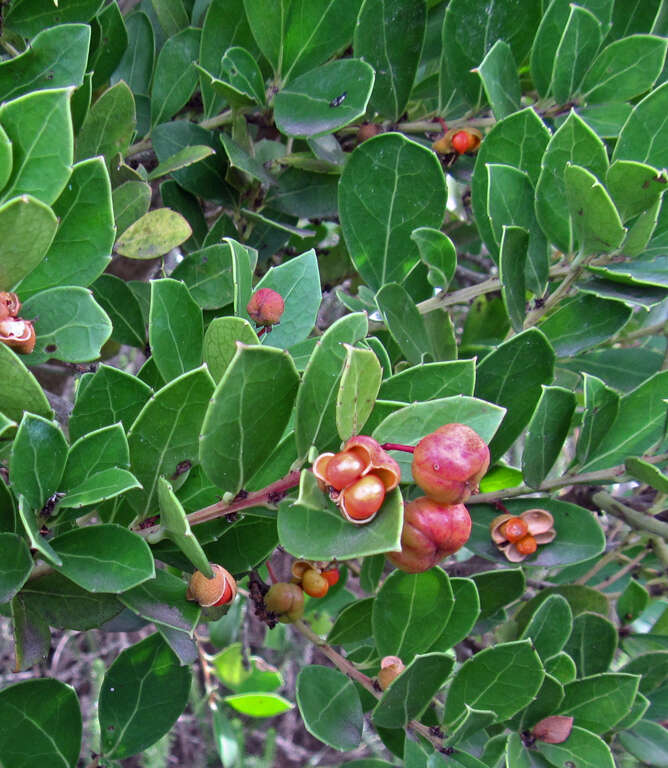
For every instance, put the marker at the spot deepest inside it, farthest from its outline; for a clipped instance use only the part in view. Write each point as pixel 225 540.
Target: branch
pixel 223 118
pixel 632 517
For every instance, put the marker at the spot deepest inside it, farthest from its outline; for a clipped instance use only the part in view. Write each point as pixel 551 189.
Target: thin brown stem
pixel 632 517
pixel 224 118
pixel 622 571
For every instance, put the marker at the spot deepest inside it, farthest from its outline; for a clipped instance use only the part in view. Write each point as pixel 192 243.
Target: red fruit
pixel 527 545
pixel 449 463
pixel 332 575
pixel 514 529
pixel 343 469
pixel 265 306
pixel 381 463
pixel 314 583
pixel 462 141
pixel 220 589
pixel 554 729
pixel 431 532
pixel 18 334
pixel 360 501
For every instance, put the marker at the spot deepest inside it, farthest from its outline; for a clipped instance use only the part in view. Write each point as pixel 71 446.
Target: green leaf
pixel 252 422
pixel 624 69
pixel 647 741
pixel 110 396
pixel 311 104
pixel 580 599
pixel 37 459
pixel 315 416
pixel 638 425
pixel 410 424
pixel 171 15
pixel 56 58
pixel 182 159
pixel 497 589
pixel 175 328
pixel 245 163
pixel 5 157
pixel 143 693
pixel 573 142
pixel 32 528
pixel 409 695
pixel 642 138
pixel 324 534
pixel 69 324
pixel 243 264
pixel 136 65
pixel 579 44
pixel 83 549
pixel 410 612
pixel 512 376
pixel 268 25
pixel 166 432
pixel 16 565
pixel 634 187
pixel 131 201
pixel 547 432
pixel 220 342
pixel 163 600
pixel 28 17
pixel 173 519
pixel 100 487
pixel 258 704
pixel 358 389
pixel 27 227
pixel 208 275
pixel 49 724
pixel 489 680
pixel 245 544
pixel 550 627
pixel 330 706
pixel 647 473
pixel 109 42
pixel 117 300
pixel 463 616
pixel 240 69
pixel 561 667
pixel 82 246
pixel 599 702
pixel 175 76
pixel 606 119
pixel 437 252
pixel 236 671
pixel 498 72
pixel 510 202
pixel 601 406
pixel 512 266
pixel 468 35
pixel 392 49
pixel 353 624
pixel 298 283
pixel 109 125
pixel 592 644
pixel 545 703
pixel 380 205
pixel 32 635
pixel 638 708
pixel 19 389
pixel 99 450
pixel 574 542
pixel 153 235
pixel 582 747
pixel 404 321
pixel 430 381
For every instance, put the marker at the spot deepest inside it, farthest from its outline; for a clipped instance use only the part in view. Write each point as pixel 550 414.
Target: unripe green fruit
pixel 286 601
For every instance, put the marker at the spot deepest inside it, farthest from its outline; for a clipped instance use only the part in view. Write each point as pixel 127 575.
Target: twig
pixel 661 549
pixel 224 118
pixel 632 517
pixel 622 571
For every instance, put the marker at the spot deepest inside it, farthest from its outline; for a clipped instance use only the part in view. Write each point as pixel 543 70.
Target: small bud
pixel 219 590
pixel 390 668
pixel 18 334
pixel 554 729
pixel 265 307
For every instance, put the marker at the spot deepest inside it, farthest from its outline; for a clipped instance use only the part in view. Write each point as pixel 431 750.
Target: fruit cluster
pixel 447 465
pixel 314 579
pixel 459 140
pixel 358 477
pixel 15 332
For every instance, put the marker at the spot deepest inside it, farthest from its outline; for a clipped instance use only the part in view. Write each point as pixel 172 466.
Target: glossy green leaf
pixel 498 72
pixel 561 667
pixel 359 386
pixel 389 35
pixel 111 396
pixel 463 616
pixel 6 159
pixel 245 544
pixel 56 58
pixel 37 459
pixel 639 424
pixel 437 252
pixel 548 698
pixel 153 235
pixel 32 635
pixel 16 565
pixel 136 65
pixel 69 324
pixel 410 612
pixel 599 702
pixel 376 191
pixel 121 305
pixel 353 624
pixel 581 599
pixel 584 747
pixel 519 140
pixel 49 725
pixel 497 589
pixel 512 266
pixel 579 44
pixel 220 342
pixel 573 142
pixel 166 432
pixel 634 187
pixel 239 158
pixel 102 486
pixel 323 534
pixel 315 417
pixel 647 473
pixel 27 227
pixel 268 26
pixel 107 46
pixel 175 77
pixel 642 138
pixel 409 695
pixel 81 248
pixel 163 601
pixel 242 276
pixel 241 83
pixel 546 433
pixel 143 693
pixel 550 626
pixel 489 680
pixel 32 529
pixel 430 381
pixel 512 376
pixel 298 283
pixel 647 741
pixel 404 321
pixel 638 708
pixel 410 424
pixel 574 542
pixel 29 17
pixel 251 422
pixel 182 159
pixel 311 105
pixel 173 519
pixel 601 406
pixel 109 125
pixel 19 389
pixel 592 644
pixel 131 201
pixel 330 707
